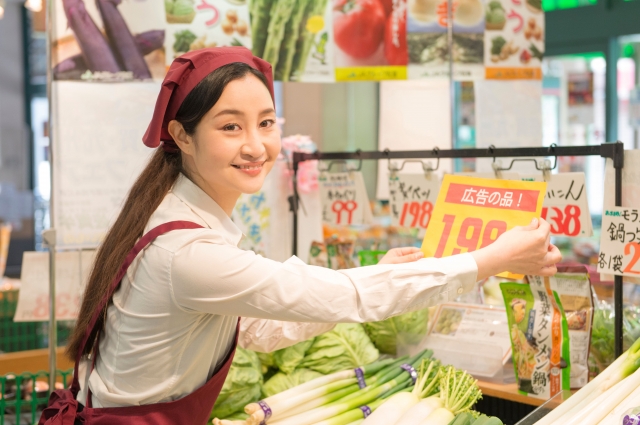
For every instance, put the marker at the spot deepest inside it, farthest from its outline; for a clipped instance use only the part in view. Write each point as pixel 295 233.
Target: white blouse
pixel 173 319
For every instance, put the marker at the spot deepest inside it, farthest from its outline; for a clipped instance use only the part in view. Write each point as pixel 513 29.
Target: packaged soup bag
pixel 539 338
pixel 573 287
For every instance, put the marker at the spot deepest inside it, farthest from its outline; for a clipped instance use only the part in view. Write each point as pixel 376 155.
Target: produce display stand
pixel 507 393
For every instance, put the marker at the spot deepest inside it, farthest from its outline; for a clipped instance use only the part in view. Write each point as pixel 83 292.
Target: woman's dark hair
pixel 143 199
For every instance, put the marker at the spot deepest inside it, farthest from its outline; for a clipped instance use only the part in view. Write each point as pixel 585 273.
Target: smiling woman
pixel 161 310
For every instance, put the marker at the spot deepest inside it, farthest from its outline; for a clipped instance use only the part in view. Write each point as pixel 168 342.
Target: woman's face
pixel 236 142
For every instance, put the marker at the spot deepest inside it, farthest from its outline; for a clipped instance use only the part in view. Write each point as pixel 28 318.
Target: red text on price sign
pixel 67 306
pixel 416 214
pixel 344 211
pixel 563 221
pixel 471 213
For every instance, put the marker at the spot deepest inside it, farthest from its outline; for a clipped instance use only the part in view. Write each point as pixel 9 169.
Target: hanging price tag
pixel 565 204
pixel 620 242
pixel 412 197
pixel 344 199
pixel 471 213
pixel 72 271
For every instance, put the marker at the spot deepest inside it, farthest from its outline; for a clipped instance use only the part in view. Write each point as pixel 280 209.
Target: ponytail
pixel 147 193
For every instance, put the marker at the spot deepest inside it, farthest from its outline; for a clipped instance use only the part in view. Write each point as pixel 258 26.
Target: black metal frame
pixel 615 151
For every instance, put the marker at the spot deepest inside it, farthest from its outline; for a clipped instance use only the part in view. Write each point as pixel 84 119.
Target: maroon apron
pixel 63 408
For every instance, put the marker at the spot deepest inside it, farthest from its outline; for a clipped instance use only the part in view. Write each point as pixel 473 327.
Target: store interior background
pixel 599 37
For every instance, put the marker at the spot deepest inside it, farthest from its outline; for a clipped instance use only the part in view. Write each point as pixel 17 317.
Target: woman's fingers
pixel 402 255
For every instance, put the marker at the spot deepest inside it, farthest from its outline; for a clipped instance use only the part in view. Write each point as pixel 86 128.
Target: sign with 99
pixel 344 199
pixel 471 213
pixel 411 198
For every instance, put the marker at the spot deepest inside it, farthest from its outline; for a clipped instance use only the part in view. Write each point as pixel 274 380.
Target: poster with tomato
pixel 370 39
pixel 514 39
pixel 197 24
pixel 428 43
pixel 295 37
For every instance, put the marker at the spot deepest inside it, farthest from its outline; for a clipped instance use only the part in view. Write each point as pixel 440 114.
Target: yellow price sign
pixel 471 213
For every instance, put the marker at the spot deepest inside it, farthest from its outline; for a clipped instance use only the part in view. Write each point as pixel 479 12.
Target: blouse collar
pixel 207 209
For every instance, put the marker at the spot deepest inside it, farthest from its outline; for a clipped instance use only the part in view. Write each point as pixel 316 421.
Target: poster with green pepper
pixel 295 37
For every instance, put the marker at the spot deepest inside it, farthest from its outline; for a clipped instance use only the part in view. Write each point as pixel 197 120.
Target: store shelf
pixel 510 392
pixel 31 361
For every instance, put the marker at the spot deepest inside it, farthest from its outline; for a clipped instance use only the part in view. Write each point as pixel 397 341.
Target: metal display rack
pixel 615 151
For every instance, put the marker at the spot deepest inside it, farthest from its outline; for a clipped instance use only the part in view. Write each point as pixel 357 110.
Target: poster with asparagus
pixel 428 43
pixel 295 37
pixel 108 40
pixel 514 39
pixel 198 24
pixel 370 39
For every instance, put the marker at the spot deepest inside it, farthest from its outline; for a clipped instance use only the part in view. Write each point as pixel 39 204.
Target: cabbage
pixel 242 386
pixel 183 7
pixel 345 347
pixel 287 359
pixel 168 6
pixel 408 328
pixel 283 381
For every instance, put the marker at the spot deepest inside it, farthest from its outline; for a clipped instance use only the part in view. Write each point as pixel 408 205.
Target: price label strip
pixel 412 197
pixel 344 199
pixel 620 242
pixel 565 204
pixel 471 213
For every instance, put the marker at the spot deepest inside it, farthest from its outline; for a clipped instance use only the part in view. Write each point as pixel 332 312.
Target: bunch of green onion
pixel 336 399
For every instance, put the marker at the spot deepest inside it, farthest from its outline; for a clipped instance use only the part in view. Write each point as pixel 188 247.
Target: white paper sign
pixel 344 199
pixel 94 166
pixel 412 197
pixel 565 206
pixel 620 242
pixel 72 272
pixel 468 323
pixel 414 115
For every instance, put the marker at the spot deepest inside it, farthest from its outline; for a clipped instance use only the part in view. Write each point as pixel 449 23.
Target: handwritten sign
pixel 72 272
pixel 412 197
pixel 565 204
pixel 471 213
pixel 252 215
pixel 344 199
pixel 620 242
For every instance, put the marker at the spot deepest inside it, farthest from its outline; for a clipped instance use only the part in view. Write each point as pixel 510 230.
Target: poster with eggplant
pixel 428 44
pixel 371 39
pixel 198 24
pixel 514 41
pixel 295 37
pixel 108 40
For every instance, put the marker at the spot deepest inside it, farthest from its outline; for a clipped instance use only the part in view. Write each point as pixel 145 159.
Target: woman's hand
pixel 401 255
pixel 523 250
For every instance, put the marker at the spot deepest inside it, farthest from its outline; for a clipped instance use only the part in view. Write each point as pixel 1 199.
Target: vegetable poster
pixel 370 39
pixel 514 39
pixel 252 215
pixel 295 37
pixel 428 44
pixel 471 213
pixel 197 24
pixel 108 40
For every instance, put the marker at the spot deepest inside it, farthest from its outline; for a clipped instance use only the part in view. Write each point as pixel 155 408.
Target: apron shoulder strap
pixel 142 243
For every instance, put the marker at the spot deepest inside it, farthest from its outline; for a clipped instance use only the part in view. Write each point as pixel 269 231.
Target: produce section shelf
pixel 510 392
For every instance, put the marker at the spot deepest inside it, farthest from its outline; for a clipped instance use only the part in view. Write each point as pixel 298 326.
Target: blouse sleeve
pixel 270 335
pixel 225 280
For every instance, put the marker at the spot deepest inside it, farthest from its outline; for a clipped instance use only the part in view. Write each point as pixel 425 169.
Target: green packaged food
pixel 539 338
